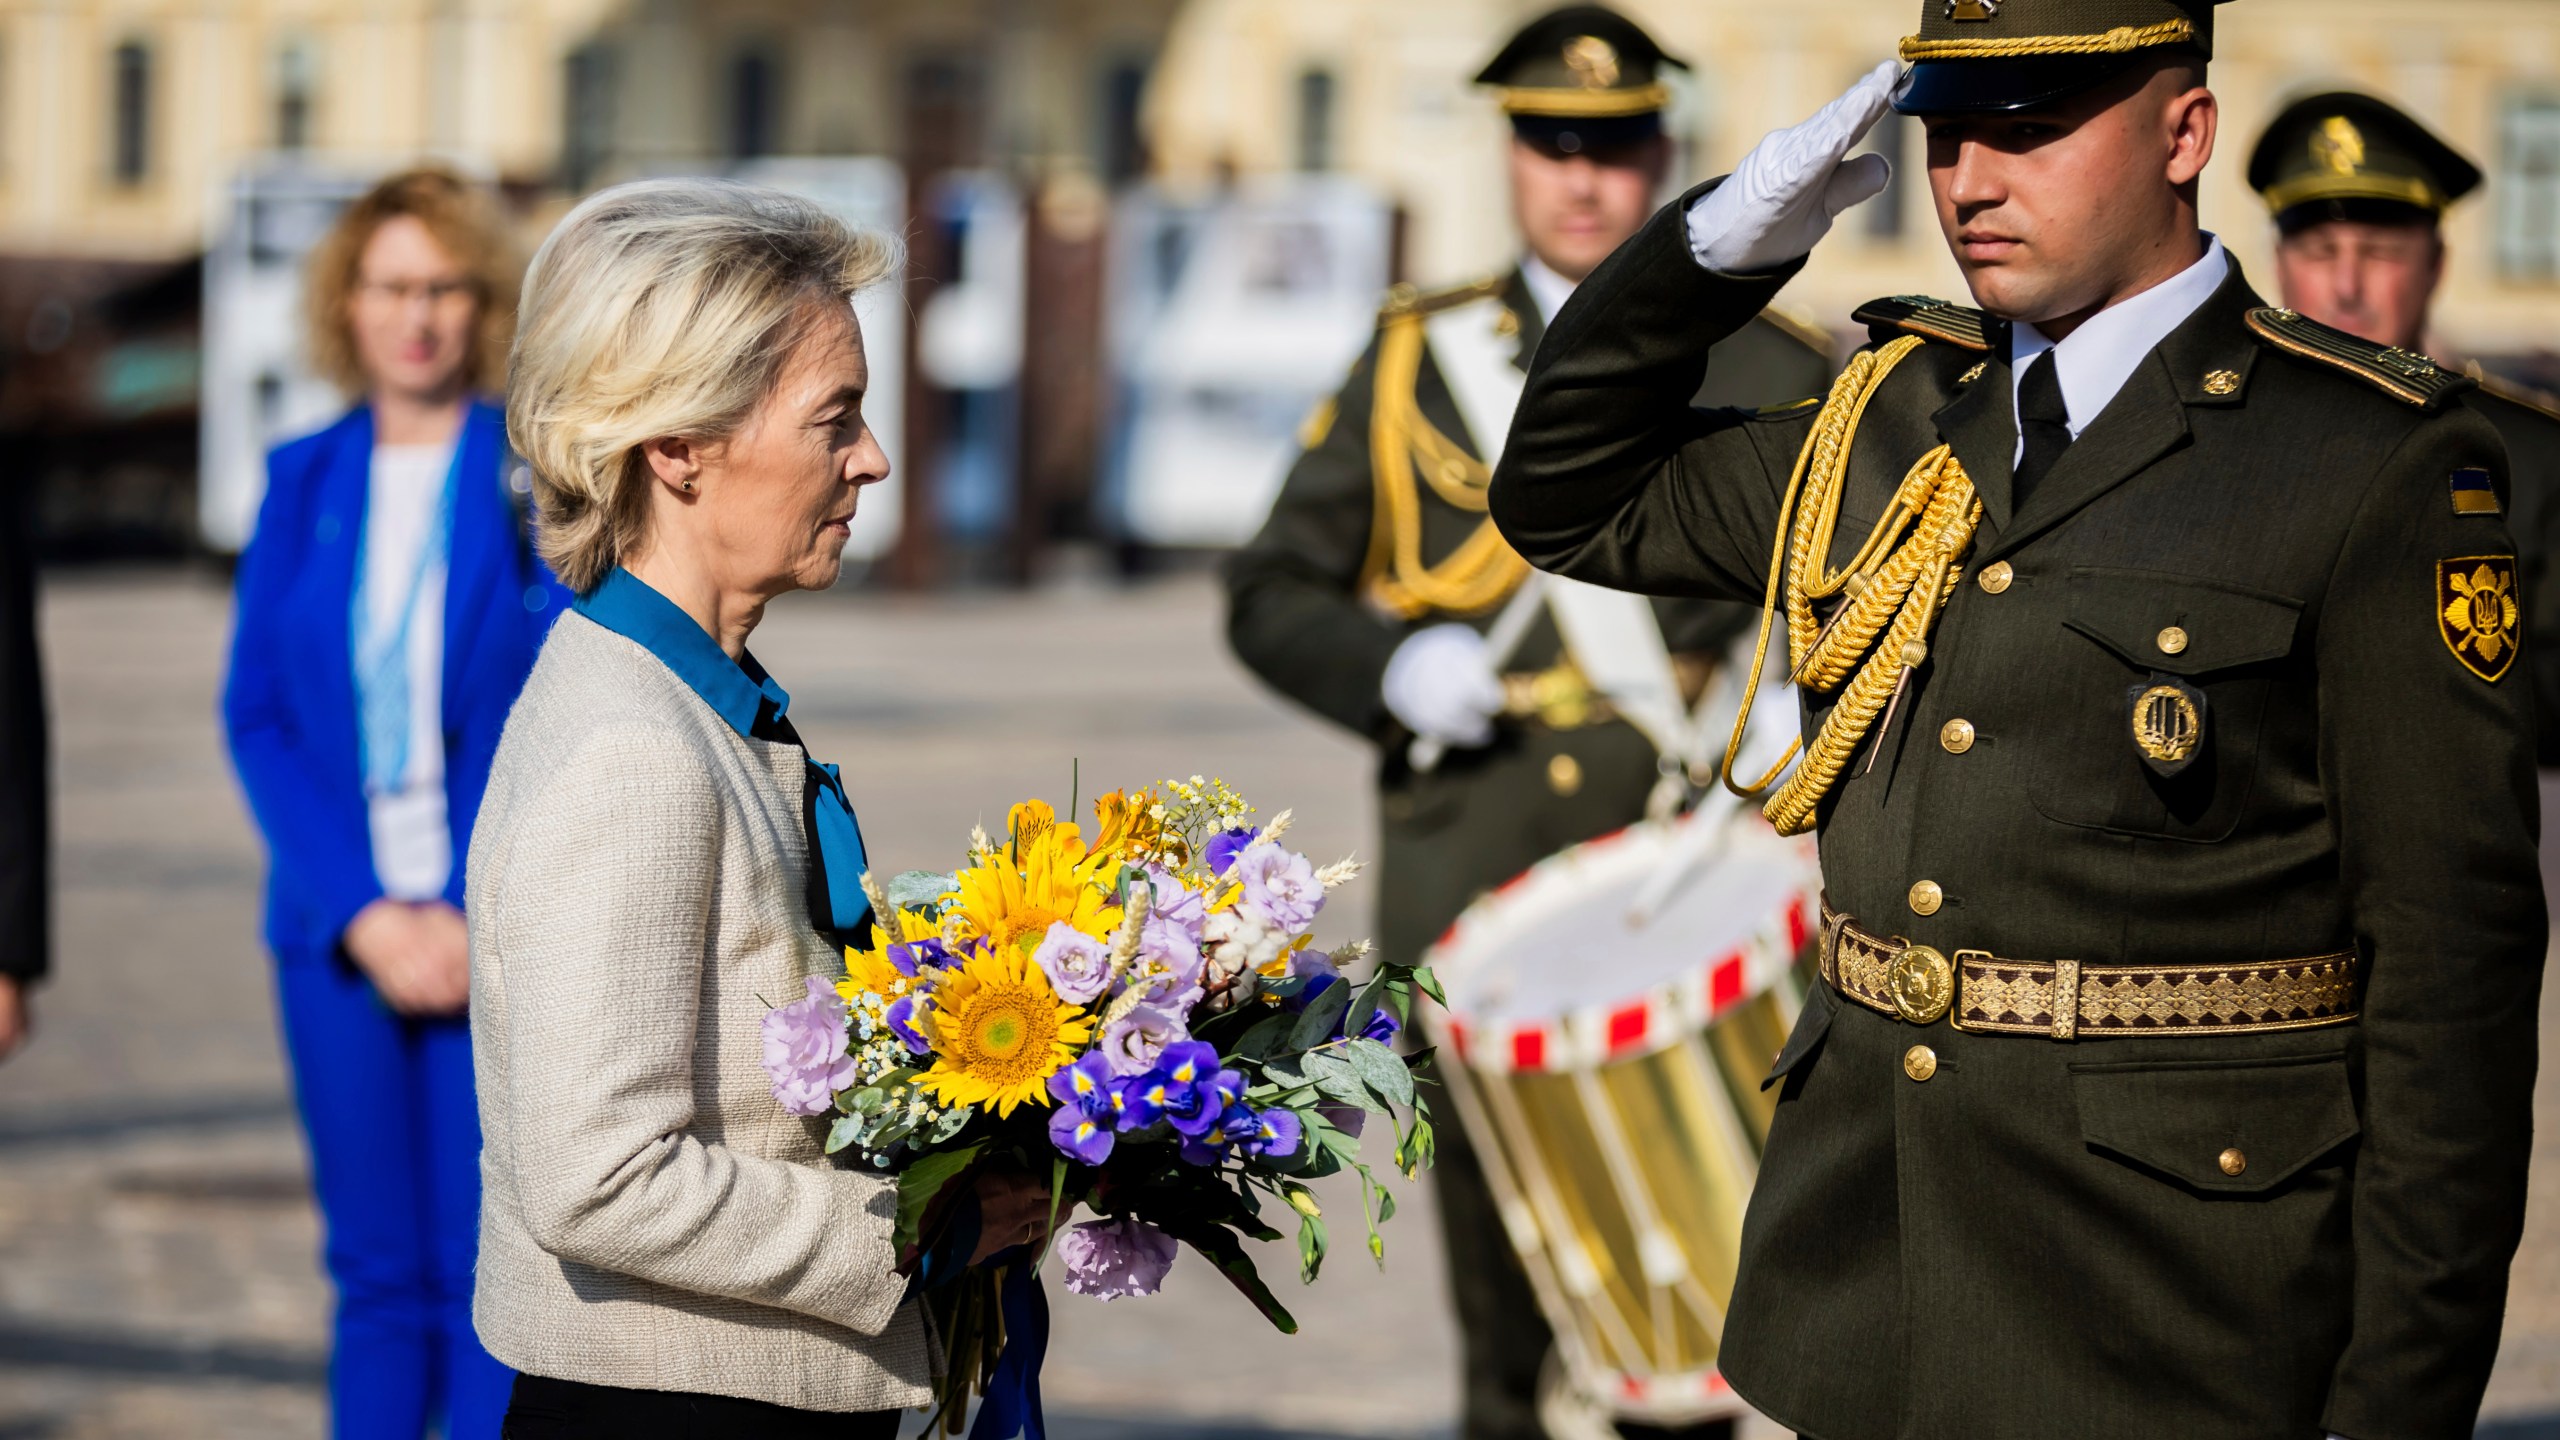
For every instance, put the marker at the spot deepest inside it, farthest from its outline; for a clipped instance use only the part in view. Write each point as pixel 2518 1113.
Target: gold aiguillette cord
pixel 1894 587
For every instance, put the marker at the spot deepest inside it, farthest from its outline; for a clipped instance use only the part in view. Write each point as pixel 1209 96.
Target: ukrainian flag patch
pixel 2472 494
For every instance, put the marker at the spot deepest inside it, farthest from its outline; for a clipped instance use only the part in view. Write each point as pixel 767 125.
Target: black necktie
pixel 2045 423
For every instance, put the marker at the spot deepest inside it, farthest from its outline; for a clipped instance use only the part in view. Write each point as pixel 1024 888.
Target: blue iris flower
pixel 1090 1105
pixel 1225 846
pixel 1272 1134
pixel 901 1016
pixel 1186 1090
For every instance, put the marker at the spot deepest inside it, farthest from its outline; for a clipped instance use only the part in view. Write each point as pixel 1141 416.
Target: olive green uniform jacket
pixel 2038 1242
pixel 2531 433
pixel 1298 619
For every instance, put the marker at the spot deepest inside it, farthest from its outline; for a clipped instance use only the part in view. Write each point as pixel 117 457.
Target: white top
pixel 412 841
pixel 1546 287
pixel 2094 361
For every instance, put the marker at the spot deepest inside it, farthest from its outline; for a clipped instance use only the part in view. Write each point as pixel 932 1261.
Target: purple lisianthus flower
pixel 1272 1134
pixel 1078 966
pixel 902 1015
pixel 1173 906
pixel 1280 887
pixel 1107 1259
pixel 804 1050
pixel 1171 982
pixel 1134 1042
pixel 1349 1119
pixel 1225 846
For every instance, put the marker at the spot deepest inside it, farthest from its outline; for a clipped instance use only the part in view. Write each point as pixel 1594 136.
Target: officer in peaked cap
pixel 2170 1071
pixel 1368 591
pixel 2358 190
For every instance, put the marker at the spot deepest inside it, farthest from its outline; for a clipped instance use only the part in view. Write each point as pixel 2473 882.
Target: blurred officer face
pixel 2373 281
pixel 414 313
pixel 1573 208
pixel 2056 213
pixel 771 506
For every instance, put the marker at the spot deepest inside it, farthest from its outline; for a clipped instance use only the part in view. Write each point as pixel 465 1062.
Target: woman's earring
pixel 688 487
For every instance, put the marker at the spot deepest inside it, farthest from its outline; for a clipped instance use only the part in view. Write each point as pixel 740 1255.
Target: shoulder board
pixel 2404 375
pixel 2540 402
pixel 1926 317
pixel 1407 299
pixel 1799 327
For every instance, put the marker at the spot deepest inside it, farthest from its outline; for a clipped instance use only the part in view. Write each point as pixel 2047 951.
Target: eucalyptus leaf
pixel 920 889
pixel 1316 1023
pixel 846 1130
pixel 1338 1079
pixel 1384 1071
pixel 1430 984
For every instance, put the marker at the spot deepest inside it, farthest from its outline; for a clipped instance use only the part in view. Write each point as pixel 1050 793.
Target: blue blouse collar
pixel 739 690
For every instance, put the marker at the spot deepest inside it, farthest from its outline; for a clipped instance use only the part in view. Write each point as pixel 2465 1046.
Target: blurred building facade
pixel 1381 91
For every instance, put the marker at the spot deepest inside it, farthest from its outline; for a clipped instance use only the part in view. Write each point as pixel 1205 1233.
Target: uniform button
pixel 2172 640
pixel 2233 1162
pixel 1919 1062
pixel 1995 577
pixel 1564 775
pixel 1956 736
pixel 1926 897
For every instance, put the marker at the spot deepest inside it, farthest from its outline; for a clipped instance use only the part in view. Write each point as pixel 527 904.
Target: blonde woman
pixel 389 608
pixel 664 1250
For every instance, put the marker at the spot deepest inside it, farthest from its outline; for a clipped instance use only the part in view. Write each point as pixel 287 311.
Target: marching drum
pixel 1611 1014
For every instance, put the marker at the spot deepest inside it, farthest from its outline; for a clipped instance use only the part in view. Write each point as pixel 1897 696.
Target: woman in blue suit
pixel 389 609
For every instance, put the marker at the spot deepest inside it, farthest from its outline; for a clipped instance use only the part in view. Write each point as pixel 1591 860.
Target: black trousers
pixel 546 1409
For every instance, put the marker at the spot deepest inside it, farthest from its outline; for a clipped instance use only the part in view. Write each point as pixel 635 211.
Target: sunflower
pixel 999 1033
pixel 1014 894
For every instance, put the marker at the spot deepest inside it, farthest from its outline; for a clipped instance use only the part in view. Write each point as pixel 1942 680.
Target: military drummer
pixel 2174 777
pixel 1367 593
pixel 2359 190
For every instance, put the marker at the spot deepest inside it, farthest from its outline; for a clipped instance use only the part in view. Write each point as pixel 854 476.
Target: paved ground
pixel 157 1270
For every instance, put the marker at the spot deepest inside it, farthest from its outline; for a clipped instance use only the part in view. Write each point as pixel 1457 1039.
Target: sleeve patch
pixel 2472 494
pixel 2476 612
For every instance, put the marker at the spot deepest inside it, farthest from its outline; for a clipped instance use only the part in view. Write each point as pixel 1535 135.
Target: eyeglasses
pixel 437 293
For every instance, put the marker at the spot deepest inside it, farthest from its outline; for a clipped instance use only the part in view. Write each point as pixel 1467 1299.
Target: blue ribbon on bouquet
pixel 1012 1403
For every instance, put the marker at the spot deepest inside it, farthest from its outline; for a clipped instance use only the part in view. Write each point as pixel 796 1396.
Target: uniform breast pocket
pixel 2151 718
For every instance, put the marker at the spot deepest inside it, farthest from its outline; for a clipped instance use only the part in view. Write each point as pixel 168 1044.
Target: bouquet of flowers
pixel 1145 1018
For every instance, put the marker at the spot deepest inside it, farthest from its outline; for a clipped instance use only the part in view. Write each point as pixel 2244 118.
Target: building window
pixel 1891 138
pixel 754 104
pixel 2528 189
pixel 1315 120
pixel 129 129
pixel 586 129
pixel 296 79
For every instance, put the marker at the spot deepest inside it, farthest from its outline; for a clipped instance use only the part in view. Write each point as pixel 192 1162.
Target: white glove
pixel 1440 683
pixel 1783 196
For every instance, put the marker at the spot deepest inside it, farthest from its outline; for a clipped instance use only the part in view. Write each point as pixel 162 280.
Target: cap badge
pixel 1973 9
pixel 2476 612
pixel 2339 145
pixel 1593 61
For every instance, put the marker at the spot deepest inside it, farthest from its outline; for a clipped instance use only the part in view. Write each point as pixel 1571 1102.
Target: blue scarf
pixel 742 694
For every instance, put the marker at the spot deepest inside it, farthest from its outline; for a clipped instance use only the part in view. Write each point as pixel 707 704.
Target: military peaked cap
pixel 2345 156
pixel 1986 55
pixel 1582 76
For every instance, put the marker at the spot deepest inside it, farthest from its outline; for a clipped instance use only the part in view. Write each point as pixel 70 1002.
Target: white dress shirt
pixel 2094 361
pixel 412 839
pixel 1549 289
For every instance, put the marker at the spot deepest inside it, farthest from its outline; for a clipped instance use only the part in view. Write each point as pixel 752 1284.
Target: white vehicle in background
pixel 259 389
pixel 1231 318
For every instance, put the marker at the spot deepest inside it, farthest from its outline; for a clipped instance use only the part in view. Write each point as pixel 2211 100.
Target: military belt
pixel 2067 1000
pixel 1560 698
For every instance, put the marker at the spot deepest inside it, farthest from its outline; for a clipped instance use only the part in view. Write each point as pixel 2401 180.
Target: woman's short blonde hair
pixel 661 307
pixel 464 219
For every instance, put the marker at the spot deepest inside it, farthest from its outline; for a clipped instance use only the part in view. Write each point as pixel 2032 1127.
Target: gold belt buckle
pixel 1923 984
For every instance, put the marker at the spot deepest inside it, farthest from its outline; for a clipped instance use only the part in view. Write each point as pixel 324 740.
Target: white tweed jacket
pixel 649 1216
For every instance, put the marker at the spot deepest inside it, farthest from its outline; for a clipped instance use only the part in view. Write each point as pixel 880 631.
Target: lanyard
pixel 384 722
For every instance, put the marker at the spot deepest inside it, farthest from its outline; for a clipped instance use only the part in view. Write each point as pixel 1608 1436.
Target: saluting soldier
pixel 2359 190
pixel 2172 1072
pixel 1368 591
